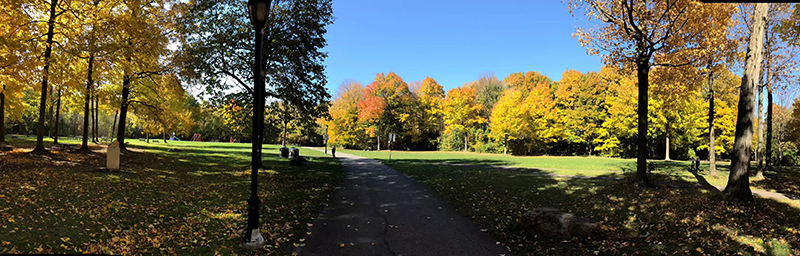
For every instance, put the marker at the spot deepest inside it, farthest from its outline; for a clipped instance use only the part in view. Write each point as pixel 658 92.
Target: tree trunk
pixel 58 117
pixel 465 142
pixel 780 152
pixel 49 123
pixel 379 142
pixel 3 116
pixel 505 145
pixel 666 155
pixel 51 22
pixel 123 112
pixel 642 72
pixel 96 116
pixel 113 125
pixel 738 186
pixel 712 154
pixel 283 138
pixel 147 135
pixel 760 135
pixel 768 153
pixel 85 141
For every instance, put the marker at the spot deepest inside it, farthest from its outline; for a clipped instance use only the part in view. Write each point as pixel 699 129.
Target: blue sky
pixel 453 42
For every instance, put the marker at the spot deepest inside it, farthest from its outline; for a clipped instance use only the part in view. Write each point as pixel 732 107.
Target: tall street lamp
pixel 259 11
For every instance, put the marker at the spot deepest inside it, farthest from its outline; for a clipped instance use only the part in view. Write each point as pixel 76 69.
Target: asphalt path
pixel 376 210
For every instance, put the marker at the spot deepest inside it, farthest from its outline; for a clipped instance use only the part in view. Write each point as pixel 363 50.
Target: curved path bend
pixel 376 210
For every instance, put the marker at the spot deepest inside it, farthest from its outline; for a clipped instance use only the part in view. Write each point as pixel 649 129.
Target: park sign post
pixel 258 11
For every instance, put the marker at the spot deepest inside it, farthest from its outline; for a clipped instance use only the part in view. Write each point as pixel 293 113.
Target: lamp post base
pixel 256 241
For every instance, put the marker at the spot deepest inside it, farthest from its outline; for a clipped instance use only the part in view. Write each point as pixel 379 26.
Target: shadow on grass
pixel 466 162
pixel 782 179
pixel 663 220
pixel 161 202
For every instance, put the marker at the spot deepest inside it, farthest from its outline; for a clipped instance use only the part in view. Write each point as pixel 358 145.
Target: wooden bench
pixel 155 140
pixel 142 139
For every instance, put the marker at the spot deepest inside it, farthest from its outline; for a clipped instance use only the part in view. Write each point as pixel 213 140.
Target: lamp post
pixel 258 11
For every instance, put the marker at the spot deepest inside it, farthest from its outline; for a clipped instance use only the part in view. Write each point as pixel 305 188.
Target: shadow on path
pixel 376 210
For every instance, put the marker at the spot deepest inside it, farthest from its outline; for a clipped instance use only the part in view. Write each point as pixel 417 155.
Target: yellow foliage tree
pixel 462 112
pixel 645 34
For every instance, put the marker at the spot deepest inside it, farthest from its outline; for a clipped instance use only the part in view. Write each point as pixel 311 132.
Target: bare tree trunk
pixel 768 153
pixel 283 138
pixel 123 112
pixel 712 154
pixel 505 145
pixel 666 155
pixel 3 116
pixel 738 186
pixel 642 73
pixel 49 123
pixel 58 116
pixel 465 141
pixel 45 75
pixel 379 142
pixel 113 125
pixel 760 135
pixel 87 99
pixel 96 116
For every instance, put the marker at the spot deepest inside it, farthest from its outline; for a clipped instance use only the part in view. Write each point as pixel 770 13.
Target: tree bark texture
pixel 49 123
pixel 3 116
pixel 712 154
pixel 666 150
pixel 51 22
pixel 96 116
pixel 123 111
pixel 738 186
pixel 642 72
pixel 465 142
pixel 760 132
pixel 58 117
pixel 85 140
pixel 768 153
pixel 113 125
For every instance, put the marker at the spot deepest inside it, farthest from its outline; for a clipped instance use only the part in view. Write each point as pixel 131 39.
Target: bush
pixel 451 141
pixel 791 156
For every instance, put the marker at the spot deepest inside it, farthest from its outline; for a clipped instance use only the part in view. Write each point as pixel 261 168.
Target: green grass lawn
pixel 632 221
pixel 673 170
pixel 188 202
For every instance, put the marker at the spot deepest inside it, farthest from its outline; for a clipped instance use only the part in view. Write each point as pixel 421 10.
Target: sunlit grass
pixel 669 171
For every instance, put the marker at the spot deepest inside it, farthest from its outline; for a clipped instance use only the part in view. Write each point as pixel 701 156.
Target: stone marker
pixel 554 223
pixel 112 156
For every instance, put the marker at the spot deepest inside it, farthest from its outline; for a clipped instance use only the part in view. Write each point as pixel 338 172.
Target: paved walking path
pixel 379 211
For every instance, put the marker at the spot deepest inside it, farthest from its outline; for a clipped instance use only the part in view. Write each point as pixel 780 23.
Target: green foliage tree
pixel 217 50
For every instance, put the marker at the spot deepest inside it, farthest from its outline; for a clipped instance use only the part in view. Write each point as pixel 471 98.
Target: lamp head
pixel 259 10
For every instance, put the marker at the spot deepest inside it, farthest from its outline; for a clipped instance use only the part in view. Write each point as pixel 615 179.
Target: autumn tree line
pixel 669 87
pixel 130 68
pixel 527 113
